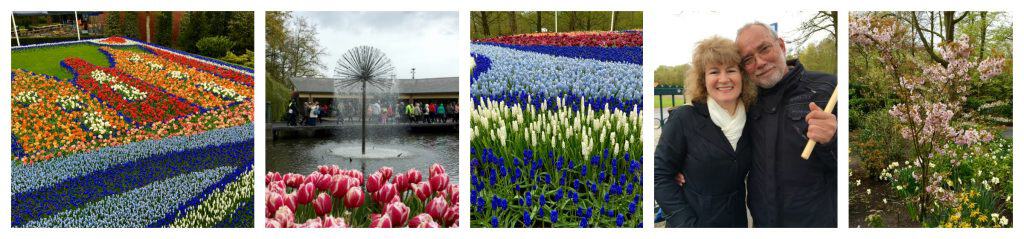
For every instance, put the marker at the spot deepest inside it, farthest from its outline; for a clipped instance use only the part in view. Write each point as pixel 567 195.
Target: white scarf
pixel 732 126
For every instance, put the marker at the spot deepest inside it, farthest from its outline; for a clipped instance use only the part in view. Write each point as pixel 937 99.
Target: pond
pixel 418 150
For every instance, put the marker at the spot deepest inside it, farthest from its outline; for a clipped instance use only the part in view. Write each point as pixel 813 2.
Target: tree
pixel 164 29
pixel 130 25
pixel 823 21
pixel 363 65
pixel 113 24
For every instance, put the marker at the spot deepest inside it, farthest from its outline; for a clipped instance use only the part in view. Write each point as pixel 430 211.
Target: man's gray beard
pixel 775 79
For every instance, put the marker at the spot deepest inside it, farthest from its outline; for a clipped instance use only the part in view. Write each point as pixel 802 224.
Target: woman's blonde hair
pixel 716 50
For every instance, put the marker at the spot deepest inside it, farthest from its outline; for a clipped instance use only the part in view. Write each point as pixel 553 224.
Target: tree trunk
pixel 984 31
pixel 538 21
pixel 484 23
pixel 512 22
pixel 949 25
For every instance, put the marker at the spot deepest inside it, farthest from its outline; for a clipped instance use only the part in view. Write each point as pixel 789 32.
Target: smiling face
pixel 763 55
pixel 723 83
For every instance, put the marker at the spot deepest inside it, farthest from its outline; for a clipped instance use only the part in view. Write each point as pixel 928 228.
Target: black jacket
pixel 786 190
pixel 714 194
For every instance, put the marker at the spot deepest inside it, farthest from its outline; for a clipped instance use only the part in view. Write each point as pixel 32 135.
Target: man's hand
pixel 680 179
pixel 821 125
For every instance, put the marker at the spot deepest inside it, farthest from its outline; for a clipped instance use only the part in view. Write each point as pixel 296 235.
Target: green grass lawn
pixel 46 60
pixel 658 103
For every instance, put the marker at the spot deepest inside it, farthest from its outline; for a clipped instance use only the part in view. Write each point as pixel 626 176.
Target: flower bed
pixel 125 146
pixel 598 39
pixel 332 197
pixel 555 137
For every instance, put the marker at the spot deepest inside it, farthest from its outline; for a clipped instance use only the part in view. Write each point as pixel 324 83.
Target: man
pixel 784 189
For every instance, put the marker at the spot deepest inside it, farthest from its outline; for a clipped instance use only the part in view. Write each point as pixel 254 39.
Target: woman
pixel 707 142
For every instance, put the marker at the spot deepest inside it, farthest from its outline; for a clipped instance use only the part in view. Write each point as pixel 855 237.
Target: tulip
pixel 273 223
pixel 437 207
pixel 439 182
pixel 340 186
pixel 420 219
pixel 290 201
pixel 374 182
pixel 430 224
pixel 385 173
pixel 451 215
pixel 401 182
pixel 398 212
pixel 294 180
pixel 380 221
pixel 273 177
pixel 274 202
pixel 311 223
pixel 414 175
pixel 321 181
pixel 354 198
pixel 453 193
pixel 422 191
pixel 385 194
pixel 304 194
pixel 285 217
pixel 333 222
pixel 322 205
pixel 277 187
pixel 436 169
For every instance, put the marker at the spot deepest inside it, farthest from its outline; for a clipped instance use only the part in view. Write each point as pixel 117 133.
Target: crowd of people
pixel 311 112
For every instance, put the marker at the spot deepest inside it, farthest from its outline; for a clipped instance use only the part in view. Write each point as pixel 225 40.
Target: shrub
pixel 215 46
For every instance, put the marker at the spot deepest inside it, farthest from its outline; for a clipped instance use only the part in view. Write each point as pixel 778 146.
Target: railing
pixel 671 91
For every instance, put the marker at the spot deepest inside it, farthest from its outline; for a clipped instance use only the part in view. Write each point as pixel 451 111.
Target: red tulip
pixel 354 198
pixel 422 191
pixel 453 193
pixel 419 220
pixel 398 212
pixel 304 194
pixel 294 180
pixel 430 224
pixel 354 174
pixel 374 182
pixel 436 169
pixel 273 223
pixel 386 172
pixel 276 187
pixel 437 207
pixel 401 182
pixel 439 182
pixel 380 221
pixel 385 194
pixel 414 175
pixel 323 204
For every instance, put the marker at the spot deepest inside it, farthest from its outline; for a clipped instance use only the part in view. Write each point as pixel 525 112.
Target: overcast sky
pixel 677 33
pixel 427 41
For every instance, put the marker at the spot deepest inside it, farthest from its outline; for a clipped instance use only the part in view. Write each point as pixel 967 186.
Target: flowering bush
pixel 936 178
pixel 553 134
pixel 125 146
pixel 332 197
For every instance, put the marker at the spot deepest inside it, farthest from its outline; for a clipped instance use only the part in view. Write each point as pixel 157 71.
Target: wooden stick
pixel 828 109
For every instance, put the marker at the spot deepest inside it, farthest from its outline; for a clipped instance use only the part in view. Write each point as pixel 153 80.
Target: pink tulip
pixel 272 223
pixel 311 223
pixel 304 194
pixel 274 201
pixel 355 174
pixel 340 185
pixel 380 221
pixel 398 212
pixel 437 207
pixel 322 181
pixel 322 205
pixel 420 219
pixel 436 169
pixel 439 182
pixel 430 224
pixel 385 194
pixel 451 215
pixel 333 222
pixel 273 177
pixel 374 182
pixel 294 180
pixel 290 201
pixel 277 187
pixel 453 193
pixel 354 198
pixel 386 172
pixel 422 191
pixel 285 217
pixel 328 170
pixel 414 175
pixel 401 182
